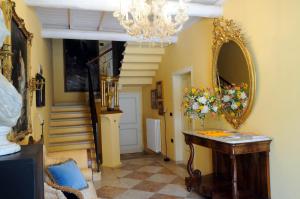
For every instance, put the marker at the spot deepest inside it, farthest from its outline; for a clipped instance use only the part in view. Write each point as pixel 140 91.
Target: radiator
pixel 153 135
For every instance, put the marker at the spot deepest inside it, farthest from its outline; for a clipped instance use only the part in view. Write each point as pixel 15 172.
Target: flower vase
pixel 202 123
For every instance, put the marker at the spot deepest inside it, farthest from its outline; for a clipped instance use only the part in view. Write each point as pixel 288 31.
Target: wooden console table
pixel 240 166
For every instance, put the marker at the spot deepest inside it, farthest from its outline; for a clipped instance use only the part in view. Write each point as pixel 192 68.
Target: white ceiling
pixel 92 19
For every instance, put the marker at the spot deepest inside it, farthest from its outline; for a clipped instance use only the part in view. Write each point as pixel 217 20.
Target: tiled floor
pixel 144 177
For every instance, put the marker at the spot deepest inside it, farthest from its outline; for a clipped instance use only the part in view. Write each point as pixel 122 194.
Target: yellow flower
pixel 193 90
pixel 238 103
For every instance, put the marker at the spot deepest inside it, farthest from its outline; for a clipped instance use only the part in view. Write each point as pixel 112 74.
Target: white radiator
pixel 153 135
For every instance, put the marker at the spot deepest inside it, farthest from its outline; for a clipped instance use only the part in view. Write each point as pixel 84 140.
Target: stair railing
pixel 94 118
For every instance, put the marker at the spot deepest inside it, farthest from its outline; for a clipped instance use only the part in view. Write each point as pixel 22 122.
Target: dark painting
pixel 76 54
pixel 19 73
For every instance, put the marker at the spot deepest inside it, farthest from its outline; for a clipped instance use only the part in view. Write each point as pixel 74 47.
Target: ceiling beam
pixel 101 21
pixel 194 9
pixel 94 35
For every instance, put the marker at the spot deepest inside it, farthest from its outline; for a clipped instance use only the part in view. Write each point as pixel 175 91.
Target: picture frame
pixel 159 89
pixel 16 66
pixel 160 105
pixel 154 99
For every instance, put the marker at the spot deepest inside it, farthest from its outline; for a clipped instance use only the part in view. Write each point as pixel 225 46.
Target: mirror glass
pixel 232 68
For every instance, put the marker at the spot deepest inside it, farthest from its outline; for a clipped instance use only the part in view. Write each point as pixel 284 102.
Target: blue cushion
pixel 67 174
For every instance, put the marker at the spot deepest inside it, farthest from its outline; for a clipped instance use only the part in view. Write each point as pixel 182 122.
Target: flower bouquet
pixel 235 99
pixel 197 103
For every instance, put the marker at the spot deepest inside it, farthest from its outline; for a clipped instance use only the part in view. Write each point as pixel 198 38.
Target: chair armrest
pixel 68 192
pixel 87 173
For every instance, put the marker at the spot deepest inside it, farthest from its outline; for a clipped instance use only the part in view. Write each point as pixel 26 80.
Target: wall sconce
pixel 34 85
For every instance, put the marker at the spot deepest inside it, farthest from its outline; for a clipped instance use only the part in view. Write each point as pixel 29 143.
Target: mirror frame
pixel 224 31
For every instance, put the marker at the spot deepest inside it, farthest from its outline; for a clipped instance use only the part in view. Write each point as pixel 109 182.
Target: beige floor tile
pixel 110 192
pixel 139 175
pixel 150 169
pixel 127 183
pixel 135 194
pixel 174 190
pixel 163 178
pixel 163 196
pixel 149 186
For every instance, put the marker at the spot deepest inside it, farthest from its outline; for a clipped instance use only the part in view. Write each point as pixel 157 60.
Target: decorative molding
pixel 93 35
pixel 224 31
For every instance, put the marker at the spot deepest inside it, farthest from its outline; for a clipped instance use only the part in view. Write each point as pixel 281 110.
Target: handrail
pixel 222 79
pixel 94 118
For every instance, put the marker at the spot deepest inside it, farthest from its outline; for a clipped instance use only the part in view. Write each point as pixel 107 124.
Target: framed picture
pixel 159 90
pixel 160 105
pixel 16 67
pixel 76 54
pixel 154 99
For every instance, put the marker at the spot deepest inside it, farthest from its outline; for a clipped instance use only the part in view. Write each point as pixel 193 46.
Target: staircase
pixel 70 129
pixel 140 63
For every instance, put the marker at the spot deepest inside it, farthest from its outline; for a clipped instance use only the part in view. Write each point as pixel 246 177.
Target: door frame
pixel 138 97
pixel 177 114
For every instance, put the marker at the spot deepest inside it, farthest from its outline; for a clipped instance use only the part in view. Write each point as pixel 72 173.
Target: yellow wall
pixel 60 96
pixel 272 32
pixel 40 54
pixel 193 50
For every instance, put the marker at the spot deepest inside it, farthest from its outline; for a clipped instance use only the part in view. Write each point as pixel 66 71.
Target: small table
pixel 240 165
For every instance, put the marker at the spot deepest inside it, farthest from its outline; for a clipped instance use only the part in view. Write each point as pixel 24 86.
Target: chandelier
pixel 152 19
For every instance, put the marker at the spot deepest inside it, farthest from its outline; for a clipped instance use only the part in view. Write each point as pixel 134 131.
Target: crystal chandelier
pixel 152 19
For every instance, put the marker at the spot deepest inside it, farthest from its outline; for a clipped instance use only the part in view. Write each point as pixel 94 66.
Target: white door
pixel 130 124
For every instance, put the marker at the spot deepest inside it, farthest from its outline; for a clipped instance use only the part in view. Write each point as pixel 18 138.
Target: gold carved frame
pixel 224 31
pixel 9 13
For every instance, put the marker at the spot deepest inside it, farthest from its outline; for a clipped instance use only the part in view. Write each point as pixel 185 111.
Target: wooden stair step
pixel 64 115
pixel 71 108
pixel 70 146
pixel 81 137
pixel 72 129
pixel 70 122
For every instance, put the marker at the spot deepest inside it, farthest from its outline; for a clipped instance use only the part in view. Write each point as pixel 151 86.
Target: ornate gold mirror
pixel 233 72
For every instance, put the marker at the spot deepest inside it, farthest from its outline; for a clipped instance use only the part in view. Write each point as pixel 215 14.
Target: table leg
pixel 235 194
pixel 194 178
pixel 267 163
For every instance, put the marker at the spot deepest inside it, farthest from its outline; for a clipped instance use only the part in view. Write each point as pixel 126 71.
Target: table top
pixel 229 137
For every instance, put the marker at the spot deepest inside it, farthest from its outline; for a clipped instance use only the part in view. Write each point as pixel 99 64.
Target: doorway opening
pixel 181 80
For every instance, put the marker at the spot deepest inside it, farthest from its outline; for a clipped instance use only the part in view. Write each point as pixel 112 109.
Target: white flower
pixel 231 91
pixel 195 106
pixel 245 104
pixel 202 100
pixel 234 106
pixel 243 95
pixel 205 109
pixel 215 109
pixel 226 98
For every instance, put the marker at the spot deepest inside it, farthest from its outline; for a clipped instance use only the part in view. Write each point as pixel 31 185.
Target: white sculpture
pixel 10 111
pixel 10 104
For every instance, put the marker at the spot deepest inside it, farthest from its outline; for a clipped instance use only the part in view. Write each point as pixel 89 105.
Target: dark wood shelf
pixel 221 188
